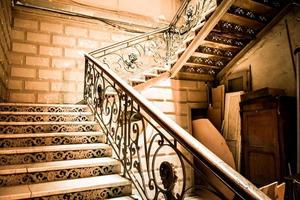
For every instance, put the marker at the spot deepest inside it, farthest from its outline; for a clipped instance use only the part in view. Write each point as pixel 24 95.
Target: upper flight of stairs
pixel 56 152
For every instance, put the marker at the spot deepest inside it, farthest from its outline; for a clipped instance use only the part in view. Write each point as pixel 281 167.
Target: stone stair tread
pixel 55 134
pixel 44 113
pixel 44 105
pixel 47 123
pixel 123 198
pixel 53 148
pixel 57 165
pixel 60 187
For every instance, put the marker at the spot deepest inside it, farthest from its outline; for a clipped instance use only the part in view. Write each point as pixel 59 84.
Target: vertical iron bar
pixel 125 124
pixel 85 76
pixel 297 53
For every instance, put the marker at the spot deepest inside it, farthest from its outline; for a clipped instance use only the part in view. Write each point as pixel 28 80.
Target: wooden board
pixel 270 190
pixel 216 111
pixel 209 136
pixel 232 125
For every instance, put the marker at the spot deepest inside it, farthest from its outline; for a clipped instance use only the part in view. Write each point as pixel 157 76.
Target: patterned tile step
pixel 99 187
pixel 58 170
pixel 37 127
pixel 46 139
pixel 24 155
pixel 23 107
pixel 45 116
pixel 125 198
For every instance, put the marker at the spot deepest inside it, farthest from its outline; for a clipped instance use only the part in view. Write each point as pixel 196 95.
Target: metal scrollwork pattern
pixel 13 159
pixel 42 118
pixel 45 141
pixel 11 129
pixel 192 17
pixel 91 194
pixel 137 57
pixel 56 175
pixel 151 157
pixel 43 109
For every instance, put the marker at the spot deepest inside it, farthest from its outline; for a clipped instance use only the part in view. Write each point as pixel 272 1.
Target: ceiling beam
pixel 201 35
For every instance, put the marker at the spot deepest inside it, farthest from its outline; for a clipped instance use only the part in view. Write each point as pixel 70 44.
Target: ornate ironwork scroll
pixel 158 166
pixel 188 20
pixel 131 58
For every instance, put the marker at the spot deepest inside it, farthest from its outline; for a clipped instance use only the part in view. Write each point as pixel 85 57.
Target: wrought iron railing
pixel 157 155
pixel 157 49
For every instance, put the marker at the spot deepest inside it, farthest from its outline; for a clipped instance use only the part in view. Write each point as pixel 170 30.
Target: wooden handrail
pixel 237 183
pixel 160 30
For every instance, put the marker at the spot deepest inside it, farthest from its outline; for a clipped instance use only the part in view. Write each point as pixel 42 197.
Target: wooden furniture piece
pixel 268 136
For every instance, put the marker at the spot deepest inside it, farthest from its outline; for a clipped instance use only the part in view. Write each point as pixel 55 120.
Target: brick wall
pixel 47 64
pixel 5 45
pixel 176 97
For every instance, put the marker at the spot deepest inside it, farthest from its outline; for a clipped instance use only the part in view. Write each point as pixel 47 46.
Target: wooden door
pixel 232 125
pixel 261 160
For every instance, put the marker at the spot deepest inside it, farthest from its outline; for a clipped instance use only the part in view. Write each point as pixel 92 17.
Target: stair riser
pixel 43 109
pixel 45 118
pixel 46 141
pixel 49 128
pixel 57 175
pixel 12 159
pixel 92 194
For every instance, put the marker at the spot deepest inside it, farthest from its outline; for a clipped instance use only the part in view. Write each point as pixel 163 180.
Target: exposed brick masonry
pixel 5 46
pixel 47 63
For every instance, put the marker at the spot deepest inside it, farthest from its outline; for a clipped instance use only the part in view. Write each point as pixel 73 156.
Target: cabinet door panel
pixel 260 146
pixel 262 167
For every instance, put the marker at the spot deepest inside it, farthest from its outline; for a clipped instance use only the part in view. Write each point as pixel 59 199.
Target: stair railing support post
pixel 297 53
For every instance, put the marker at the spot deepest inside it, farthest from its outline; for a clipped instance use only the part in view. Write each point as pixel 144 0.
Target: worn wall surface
pixel 176 98
pixel 47 63
pixel 270 58
pixel 156 9
pixel 5 45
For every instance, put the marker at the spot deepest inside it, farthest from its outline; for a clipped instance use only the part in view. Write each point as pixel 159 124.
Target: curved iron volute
pixel 169 178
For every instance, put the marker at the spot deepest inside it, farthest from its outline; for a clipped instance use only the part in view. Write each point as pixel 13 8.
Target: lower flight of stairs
pixel 56 152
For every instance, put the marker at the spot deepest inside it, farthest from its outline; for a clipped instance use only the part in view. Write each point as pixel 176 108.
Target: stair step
pixel 89 188
pixel 37 127
pixel 23 155
pixel 45 139
pixel 57 170
pixel 45 116
pixel 25 107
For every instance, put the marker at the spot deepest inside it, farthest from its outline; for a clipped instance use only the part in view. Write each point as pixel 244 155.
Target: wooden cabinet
pixel 268 138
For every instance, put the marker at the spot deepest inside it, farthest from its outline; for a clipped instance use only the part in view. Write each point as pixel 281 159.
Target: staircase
pixel 56 152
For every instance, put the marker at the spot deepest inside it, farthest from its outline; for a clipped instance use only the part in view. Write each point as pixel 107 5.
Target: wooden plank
pixel 270 190
pixel 201 65
pixel 253 5
pixel 149 83
pixel 194 76
pixel 210 137
pixel 216 111
pixel 218 45
pixel 232 125
pixel 229 67
pixel 211 56
pixel 236 19
pixel 201 35
pixel 280 191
